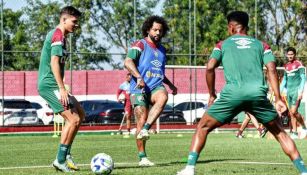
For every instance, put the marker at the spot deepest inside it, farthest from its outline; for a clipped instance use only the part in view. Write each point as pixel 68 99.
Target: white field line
pixel 135 163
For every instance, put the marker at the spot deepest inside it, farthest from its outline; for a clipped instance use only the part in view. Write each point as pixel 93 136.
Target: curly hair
pixel 239 17
pixel 148 23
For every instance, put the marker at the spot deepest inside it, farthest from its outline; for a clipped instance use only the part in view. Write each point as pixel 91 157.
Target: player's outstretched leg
pixel 204 127
pixel 287 144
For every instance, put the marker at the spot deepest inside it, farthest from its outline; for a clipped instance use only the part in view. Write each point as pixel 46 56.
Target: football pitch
pixel 224 154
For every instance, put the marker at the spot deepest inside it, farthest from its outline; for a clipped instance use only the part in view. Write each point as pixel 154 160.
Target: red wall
pixel 24 83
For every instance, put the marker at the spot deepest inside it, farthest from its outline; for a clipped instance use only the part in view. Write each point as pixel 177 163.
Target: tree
pixel 286 22
pixel 41 18
pixel 279 22
pixel 113 21
pixel 210 25
pixel 15 38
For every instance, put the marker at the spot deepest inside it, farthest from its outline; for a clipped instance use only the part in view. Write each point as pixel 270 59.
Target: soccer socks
pixel 142 155
pixel 192 159
pixel 68 149
pixel 62 152
pixel 146 126
pixel 299 164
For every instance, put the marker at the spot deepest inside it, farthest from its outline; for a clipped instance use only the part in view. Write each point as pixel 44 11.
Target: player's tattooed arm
pixel 130 66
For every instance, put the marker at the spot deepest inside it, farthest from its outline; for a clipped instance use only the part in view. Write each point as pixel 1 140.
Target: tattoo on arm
pixel 130 65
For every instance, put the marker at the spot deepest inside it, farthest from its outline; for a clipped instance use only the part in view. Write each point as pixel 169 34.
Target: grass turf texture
pixel 224 154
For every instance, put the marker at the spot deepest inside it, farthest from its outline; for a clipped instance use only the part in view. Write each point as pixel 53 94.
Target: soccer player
pixel 242 57
pixel 146 62
pixel 248 117
pixel 124 89
pixel 51 86
pixel 294 81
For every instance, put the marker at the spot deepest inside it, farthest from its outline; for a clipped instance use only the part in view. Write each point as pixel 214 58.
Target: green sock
pixel 62 152
pixel 299 164
pixel 192 159
pixel 146 126
pixel 68 149
pixel 142 155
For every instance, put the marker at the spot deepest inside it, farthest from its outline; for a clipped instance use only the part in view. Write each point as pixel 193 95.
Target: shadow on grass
pixel 166 164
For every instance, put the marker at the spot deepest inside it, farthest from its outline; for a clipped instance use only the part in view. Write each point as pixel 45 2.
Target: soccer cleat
pixel 143 135
pixel 186 171
pixel 239 136
pixel 145 162
pixel 70 163
pixel 303 134
pixel 263 132
pixel 61 167
pixel 294 136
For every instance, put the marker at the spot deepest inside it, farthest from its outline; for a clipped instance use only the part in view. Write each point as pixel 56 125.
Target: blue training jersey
pixel 150 61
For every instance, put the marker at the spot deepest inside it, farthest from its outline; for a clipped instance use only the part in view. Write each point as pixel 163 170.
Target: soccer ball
pixel 102 164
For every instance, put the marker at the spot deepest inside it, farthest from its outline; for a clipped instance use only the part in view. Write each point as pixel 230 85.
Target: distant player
pixel 242 57
pixel 294 81
pixel 51 86
pixel 248 117
pixel 123 95
pixel 146 62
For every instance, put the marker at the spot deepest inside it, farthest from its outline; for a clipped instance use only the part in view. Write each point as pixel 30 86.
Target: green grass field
pixel 223 155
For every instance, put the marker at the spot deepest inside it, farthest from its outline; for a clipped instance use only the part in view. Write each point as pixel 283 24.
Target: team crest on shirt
pixel 156 63
pixel 243 43
pixel 140 98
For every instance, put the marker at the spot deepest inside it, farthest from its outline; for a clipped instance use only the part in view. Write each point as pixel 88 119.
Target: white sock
pixel 190 167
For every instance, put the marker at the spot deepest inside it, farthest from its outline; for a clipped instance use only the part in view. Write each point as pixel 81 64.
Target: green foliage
pixel 279 23
pixel 110 24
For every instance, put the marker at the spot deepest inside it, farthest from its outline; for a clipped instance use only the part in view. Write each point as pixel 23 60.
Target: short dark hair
pixel 70 10
pixel 239 17
pixel 149 22
pixel 291 49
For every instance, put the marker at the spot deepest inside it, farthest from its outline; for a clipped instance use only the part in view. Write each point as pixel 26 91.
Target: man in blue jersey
pixel 243 58
pixel 146 62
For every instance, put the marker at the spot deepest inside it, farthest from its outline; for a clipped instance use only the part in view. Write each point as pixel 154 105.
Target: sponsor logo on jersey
pixel 140 98
pixel 243 43
pixel 150 74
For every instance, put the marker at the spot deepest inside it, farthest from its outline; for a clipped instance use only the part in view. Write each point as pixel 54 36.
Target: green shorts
pixel 144 98
pixel 292 96
pixel 52 97
pixel 224 110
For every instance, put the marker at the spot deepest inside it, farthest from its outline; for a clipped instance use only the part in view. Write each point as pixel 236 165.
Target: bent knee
pixel 76 120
